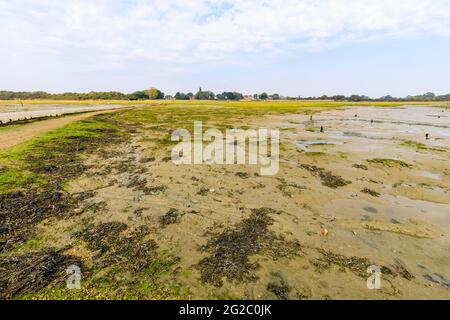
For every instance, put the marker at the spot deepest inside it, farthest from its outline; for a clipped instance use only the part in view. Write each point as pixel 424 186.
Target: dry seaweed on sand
pixel 243 175
pixel 279 286
pixel 400 268
pixel 389 162
pixel 114 243
pixel 137 183
pixel 20 211
pixel 361 166
pixel 370 192
pixel 356 265
pixel 327 177
pixel 155 190
pixel 171 217
pixel 230 250
pixel 32 272
pixel 58 158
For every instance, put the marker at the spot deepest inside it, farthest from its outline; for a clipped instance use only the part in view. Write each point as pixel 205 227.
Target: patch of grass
pixel 419 146
pixel 9 127
pixel 314 153
pixel 389 162
pixel 30 164
pixel 14 178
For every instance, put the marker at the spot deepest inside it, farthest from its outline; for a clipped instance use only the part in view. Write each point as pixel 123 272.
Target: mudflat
pixel 103 194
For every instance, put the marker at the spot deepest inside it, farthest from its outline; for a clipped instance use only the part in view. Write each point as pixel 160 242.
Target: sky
pixel 290 47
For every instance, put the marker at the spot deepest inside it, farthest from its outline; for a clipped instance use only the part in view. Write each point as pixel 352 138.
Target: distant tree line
pixel 151 94
pixel 155 94
pixel 355 98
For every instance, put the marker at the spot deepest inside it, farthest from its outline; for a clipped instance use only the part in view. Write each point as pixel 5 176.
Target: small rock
pixel 325 232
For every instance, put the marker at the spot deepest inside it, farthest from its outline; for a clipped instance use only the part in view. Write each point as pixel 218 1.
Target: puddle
pixel 431 175
pixel 303 145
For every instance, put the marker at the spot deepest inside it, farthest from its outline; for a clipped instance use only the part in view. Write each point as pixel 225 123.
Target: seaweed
pixel 370 192
pixel 230 250
pixel 113 245
pixel 327 177
pixel 279 286
pixel 171 217
pixel 356 265
pixel 390 162
pixel 32 272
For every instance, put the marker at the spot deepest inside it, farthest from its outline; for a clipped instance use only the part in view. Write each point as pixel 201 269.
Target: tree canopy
pixel 155 94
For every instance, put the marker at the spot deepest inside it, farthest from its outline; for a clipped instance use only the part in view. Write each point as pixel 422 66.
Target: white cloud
pixel 180 31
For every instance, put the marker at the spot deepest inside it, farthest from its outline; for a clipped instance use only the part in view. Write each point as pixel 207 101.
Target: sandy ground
pixel 16 112
pixel 23 133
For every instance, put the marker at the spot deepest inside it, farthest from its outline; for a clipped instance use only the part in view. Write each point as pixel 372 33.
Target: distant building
pixel 248 97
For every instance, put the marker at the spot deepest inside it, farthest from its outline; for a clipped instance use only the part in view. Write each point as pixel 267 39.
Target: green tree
pixel 138 95
pixel 263 96
pixel 155 94
pixel 204 95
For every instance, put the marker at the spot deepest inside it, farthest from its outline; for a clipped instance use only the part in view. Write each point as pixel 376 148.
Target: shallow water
pixel 303 145
pixel 431 175
pixel 15 113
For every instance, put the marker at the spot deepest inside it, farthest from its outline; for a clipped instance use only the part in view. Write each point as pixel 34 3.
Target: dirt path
pixel 12 137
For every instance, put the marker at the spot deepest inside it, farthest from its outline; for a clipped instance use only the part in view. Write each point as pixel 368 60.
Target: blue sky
pixel 293 47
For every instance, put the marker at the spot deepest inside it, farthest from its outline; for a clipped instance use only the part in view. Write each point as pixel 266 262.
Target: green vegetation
pixel 419 146
pixel 204 95
pixel 155 94
pixel 20 167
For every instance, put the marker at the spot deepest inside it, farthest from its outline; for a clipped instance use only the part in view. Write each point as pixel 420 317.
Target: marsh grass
pixel 420 146
pixel 18 165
